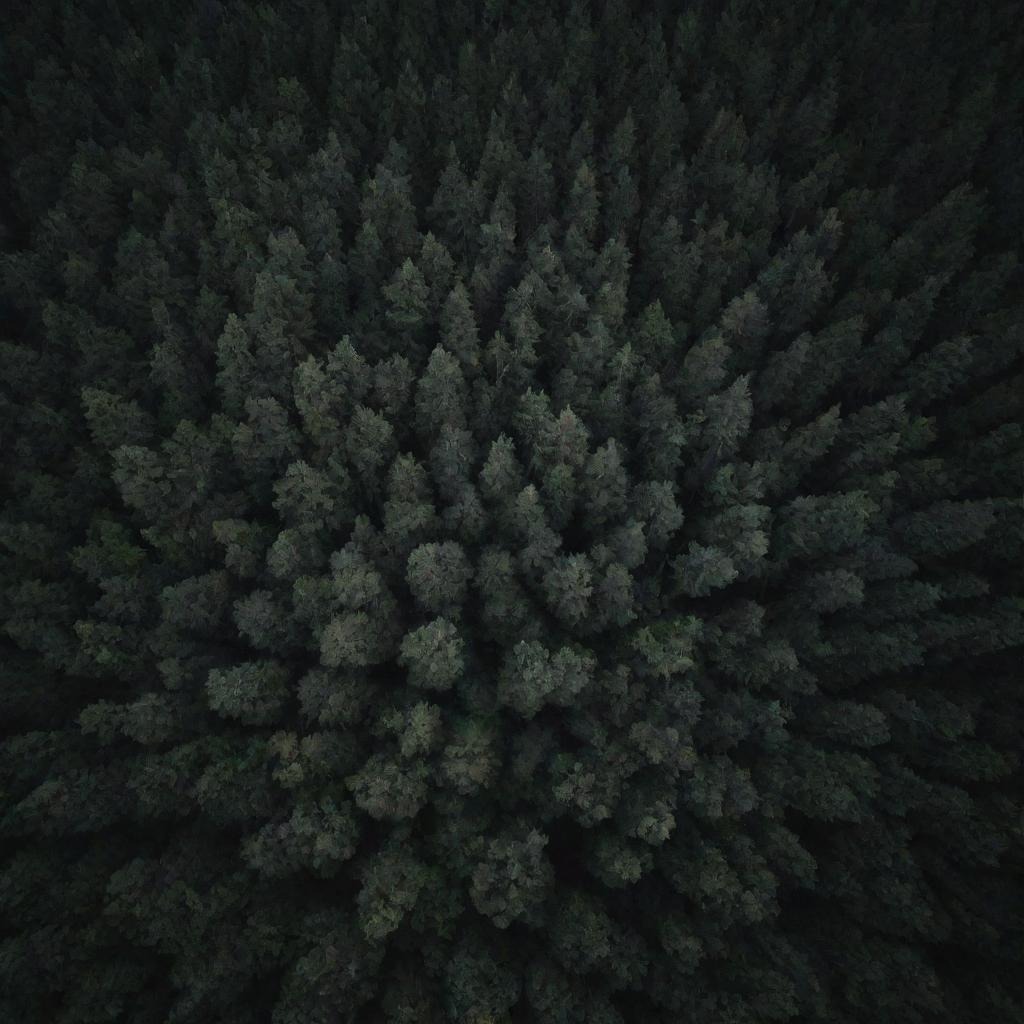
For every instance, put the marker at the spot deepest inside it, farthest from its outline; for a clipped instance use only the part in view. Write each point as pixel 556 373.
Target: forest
pixel 511 512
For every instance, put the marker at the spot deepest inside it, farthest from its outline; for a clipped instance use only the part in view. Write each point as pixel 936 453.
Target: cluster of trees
pixel 511 512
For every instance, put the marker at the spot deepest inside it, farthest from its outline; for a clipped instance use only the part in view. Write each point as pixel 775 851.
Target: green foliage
pixel 511 513
pixel 253 693
pixel 533 676
pixel 433 655
pixel 438 576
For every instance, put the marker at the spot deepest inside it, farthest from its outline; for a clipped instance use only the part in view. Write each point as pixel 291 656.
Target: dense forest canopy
pixel 511 512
